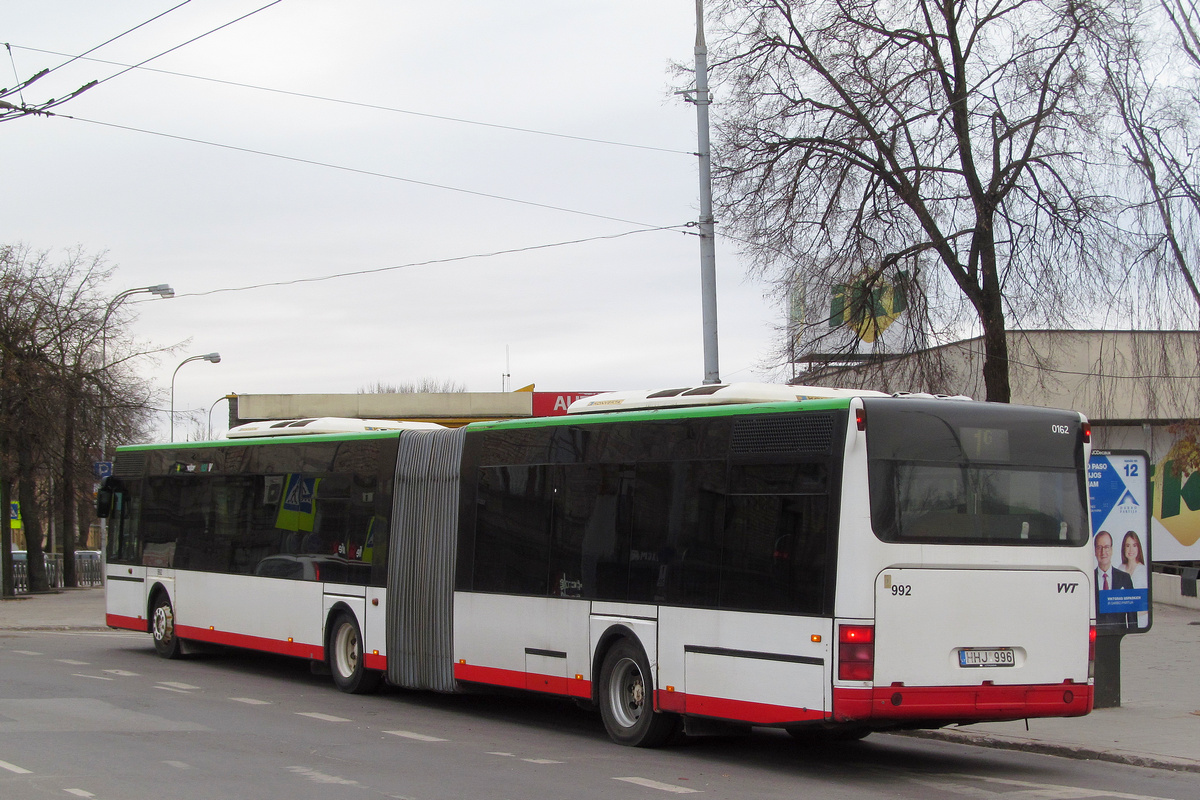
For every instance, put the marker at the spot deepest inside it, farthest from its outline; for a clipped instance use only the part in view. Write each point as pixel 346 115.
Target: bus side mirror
pixel 105 495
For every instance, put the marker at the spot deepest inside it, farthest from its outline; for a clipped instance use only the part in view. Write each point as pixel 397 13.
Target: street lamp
pixel 230 396
pixel 213 357
pixel 162 290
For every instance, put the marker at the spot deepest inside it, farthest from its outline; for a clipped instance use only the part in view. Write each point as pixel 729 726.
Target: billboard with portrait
pixel 1118 490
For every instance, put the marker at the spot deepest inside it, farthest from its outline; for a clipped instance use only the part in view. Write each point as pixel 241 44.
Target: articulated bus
pixel 831 562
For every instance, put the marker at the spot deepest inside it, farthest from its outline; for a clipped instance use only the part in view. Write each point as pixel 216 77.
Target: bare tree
pixel 53 385
pixel 940 144
pixel 1154 82
pixel 424 385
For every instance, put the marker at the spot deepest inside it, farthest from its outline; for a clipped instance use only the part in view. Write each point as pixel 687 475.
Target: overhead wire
pixel 375 106
pixel 45 107
pixel 429 262
pixel 354 170
pixel 72 58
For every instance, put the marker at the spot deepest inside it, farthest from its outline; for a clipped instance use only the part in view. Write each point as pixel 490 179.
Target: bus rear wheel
pixel 627 699
pixel 162 628
pixel 345 657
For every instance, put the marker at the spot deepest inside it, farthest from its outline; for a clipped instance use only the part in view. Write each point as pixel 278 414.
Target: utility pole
pixel 708 242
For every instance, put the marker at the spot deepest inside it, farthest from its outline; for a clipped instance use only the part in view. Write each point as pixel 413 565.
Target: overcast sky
pixel 365 188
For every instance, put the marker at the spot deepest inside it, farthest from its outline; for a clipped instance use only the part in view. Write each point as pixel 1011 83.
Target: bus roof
pixel 320 425
pixel 711 395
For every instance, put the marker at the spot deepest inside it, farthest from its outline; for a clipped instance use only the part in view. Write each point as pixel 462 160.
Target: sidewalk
pixel 59 610
pixel 1157 725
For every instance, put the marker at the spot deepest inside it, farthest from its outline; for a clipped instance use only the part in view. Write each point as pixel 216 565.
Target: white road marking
pixel 120 673
pixel 177 685
pixel 541 761
pixel 72 662
pixel 1052 791
pixel 320 716
pixel 93 677
pixel 250 701
pixel 665 787
pixel 14 768
pixel 178 764
pixel 170 689
pixel 419 737
pixel 507 755
pixel 321 777
pixel 79 792
pixel 27 652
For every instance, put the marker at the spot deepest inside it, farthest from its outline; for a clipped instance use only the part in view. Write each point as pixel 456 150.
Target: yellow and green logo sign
pixel 1176 499
pixel 868 306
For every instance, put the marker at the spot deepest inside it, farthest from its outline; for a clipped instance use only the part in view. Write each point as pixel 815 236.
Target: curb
pixel 48 627
pixel 1057 749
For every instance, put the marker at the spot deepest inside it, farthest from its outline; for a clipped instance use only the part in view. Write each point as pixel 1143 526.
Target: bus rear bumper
pixel 949 704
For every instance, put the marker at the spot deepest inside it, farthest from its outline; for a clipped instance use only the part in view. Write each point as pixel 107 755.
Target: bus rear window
pixel 943 472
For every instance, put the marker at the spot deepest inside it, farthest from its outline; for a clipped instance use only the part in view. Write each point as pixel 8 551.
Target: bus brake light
pixel 1087 432
pixel 856 652
pixel 860 418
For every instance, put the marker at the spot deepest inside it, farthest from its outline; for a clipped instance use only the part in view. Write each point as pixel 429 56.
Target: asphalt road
pixel 97 714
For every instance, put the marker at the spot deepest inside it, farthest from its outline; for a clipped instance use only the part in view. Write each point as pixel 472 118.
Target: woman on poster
pixel 1133 561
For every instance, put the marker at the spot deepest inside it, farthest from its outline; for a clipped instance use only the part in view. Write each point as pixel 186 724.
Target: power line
pixel 45 107
pixel 375 107
pixel 189 41
pixel 450 260
pixel 355 170
pixel 72 58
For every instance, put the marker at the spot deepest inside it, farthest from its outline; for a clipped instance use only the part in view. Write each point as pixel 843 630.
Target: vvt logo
pixel 1067 588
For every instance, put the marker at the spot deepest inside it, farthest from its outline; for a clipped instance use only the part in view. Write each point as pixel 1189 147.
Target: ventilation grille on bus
pixel 129 465
pixel 783 433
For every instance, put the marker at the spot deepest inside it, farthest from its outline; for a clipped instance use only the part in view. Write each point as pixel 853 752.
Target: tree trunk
pixel 6 572
pixel 35 557
pixel 67 487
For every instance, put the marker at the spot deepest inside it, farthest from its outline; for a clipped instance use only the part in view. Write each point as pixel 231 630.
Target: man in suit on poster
pixel 1110 579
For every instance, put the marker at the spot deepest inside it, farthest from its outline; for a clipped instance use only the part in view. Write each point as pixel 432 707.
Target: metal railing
pixel 88 571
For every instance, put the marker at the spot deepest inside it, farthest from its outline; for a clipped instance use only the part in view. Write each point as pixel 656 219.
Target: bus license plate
pixel 986 657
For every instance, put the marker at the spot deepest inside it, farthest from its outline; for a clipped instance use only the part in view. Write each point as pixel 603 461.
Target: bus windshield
pixel 949 473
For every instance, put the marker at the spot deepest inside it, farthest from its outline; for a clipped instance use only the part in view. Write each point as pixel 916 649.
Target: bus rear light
pixel 1086 429
pixel 860 418
pixel 856 652
pixel 1091 652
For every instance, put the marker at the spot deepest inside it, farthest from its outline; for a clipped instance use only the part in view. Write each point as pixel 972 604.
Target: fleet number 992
pixel 902 590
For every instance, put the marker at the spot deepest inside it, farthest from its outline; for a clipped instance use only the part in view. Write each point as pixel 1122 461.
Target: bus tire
pixel 627 699
pixel 345 657
pixel 162 627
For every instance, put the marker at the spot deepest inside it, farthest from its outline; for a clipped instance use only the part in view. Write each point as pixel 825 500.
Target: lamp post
pixel 230 396
pixel 215 358
pixel 164 291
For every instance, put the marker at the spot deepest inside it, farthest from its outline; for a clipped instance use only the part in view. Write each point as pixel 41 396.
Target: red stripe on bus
pixel 128 623
pixel 297 649
pixel 740 710
pixel 515 679
pixel 373 661
pixel 758 713
pixel 961 703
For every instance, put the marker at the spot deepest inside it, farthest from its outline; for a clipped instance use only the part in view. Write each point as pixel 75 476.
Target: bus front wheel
pixel 627 699
pixel 162 627
pixel 345 657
